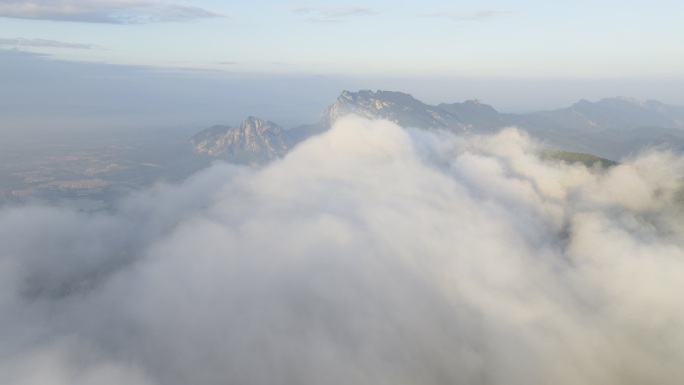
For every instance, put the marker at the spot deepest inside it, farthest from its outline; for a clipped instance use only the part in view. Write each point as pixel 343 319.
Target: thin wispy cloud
pixel 42 43
pixel 486 14
pixel 331 15
pixel 108 11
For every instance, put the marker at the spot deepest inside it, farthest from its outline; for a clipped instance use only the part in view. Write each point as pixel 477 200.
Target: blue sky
pixel 287 60
pixel 426 38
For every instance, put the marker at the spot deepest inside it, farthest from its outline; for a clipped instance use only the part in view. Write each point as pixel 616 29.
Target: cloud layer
pixel 108 11
pixel 369 255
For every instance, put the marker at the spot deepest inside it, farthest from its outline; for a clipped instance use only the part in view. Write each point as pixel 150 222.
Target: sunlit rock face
pixel 396 107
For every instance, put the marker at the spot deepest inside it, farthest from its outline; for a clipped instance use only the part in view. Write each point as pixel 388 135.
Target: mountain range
pixel 610 128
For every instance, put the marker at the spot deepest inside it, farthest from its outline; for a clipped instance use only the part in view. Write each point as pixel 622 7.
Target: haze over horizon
pixel 210 62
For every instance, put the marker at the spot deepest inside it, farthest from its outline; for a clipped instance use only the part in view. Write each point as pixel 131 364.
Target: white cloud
pixel 108 11
pixel 20 42
pixel 368 255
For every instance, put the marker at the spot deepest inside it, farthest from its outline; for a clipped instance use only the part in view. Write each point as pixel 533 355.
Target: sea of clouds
pixel 370 254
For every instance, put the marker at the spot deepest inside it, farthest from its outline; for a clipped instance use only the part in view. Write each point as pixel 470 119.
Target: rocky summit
pixel 397 107
pixel 253 141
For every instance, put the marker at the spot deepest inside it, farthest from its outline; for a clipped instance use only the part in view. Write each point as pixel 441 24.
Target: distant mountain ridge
pixel 609 128
pixel 618 113
pixel 397 107
pixel 477 115
pixel 253 141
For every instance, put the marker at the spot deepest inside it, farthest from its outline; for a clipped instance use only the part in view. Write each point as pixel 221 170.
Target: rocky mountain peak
pixel 394 106
pixel 253 141
pixel 251 120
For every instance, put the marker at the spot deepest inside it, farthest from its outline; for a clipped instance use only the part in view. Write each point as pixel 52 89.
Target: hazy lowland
pixel 391 241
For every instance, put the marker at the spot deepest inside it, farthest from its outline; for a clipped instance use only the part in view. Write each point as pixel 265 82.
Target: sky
pixel 427 38
pixel 518 56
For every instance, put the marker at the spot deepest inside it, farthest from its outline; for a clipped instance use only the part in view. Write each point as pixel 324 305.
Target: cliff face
pixel 397 107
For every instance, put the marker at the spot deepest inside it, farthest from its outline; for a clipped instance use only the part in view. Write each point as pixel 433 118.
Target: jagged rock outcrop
pixel 253 141
pixel 397 107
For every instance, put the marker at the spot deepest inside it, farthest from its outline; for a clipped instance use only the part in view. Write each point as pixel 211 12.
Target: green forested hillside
pixel 579 157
